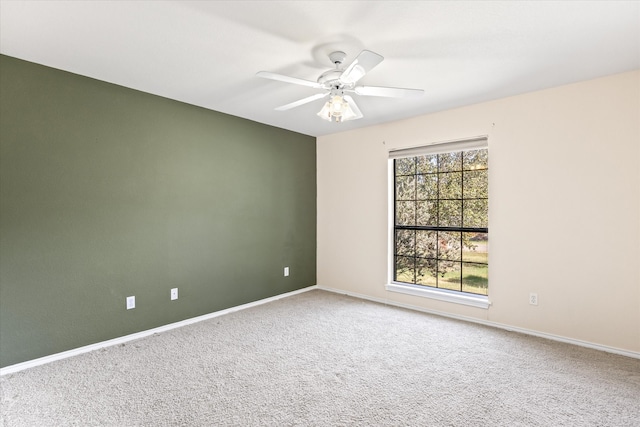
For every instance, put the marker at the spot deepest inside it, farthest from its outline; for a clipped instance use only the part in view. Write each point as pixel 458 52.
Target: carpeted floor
pixel 322 359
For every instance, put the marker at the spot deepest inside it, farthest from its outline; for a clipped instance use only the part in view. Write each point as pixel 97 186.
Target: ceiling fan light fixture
pixel 337 105
pixel 337 109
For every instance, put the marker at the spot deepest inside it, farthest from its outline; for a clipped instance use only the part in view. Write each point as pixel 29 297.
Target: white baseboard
pixel 76 351
pixel 622 352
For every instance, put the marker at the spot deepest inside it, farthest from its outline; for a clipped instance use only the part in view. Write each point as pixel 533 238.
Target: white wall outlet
pixel 286 271
pixel 131 303
pixel 174 293
pixel 533 298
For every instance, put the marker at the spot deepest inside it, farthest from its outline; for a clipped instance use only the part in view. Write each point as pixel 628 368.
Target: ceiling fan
pixel 338 83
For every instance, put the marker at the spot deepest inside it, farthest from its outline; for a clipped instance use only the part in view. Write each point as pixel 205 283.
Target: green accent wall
pixel 107 192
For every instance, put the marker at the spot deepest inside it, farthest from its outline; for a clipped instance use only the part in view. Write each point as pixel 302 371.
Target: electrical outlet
pixel 174 294
pixel 533 298
pixel 131 303
pixel 286 271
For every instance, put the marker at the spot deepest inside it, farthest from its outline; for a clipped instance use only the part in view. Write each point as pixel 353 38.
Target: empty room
pixel 319 213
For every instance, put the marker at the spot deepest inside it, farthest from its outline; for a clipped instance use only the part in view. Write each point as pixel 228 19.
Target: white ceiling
pixel 206 53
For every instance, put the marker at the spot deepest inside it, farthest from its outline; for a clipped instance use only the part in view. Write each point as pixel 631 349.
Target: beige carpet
pixel 321 359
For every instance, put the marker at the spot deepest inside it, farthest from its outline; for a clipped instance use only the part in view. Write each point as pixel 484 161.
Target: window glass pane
pixel 405 242
pixel 450 162
pixel 449 275
pixel 475 247
pixel 406 166
pixel 427 213
pixel 445 192
pixel 476 184
pixel 427 164
pixel 476 213
pixel 449 245
pixel 406 187
pixel 405 271
pixel 475 278
pixel 427 187
pixel 450 185
pixel 426 272
pixel 476 159
pixel 449 213
pixel 426 244
pixel 405 213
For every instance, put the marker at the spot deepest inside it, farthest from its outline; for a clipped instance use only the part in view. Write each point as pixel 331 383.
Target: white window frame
pixel 479 301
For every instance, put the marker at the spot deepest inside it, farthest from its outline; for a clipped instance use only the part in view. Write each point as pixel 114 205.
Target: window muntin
pixel 441 220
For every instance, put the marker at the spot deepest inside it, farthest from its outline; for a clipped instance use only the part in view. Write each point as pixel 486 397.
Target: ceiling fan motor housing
pixel 331 79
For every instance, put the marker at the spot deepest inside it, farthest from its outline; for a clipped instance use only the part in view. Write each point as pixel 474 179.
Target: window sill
pixel 479 301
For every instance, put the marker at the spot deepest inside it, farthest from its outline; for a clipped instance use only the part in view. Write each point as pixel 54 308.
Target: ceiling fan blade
pixel 360 66
pixel 354 107
pixel 302 101
pixel 288 79
pixel 389 92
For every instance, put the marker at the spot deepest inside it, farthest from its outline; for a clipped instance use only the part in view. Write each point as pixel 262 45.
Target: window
pixel 440 229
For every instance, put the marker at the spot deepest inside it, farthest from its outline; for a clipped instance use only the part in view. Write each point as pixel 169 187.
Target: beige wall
pixel 564 212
